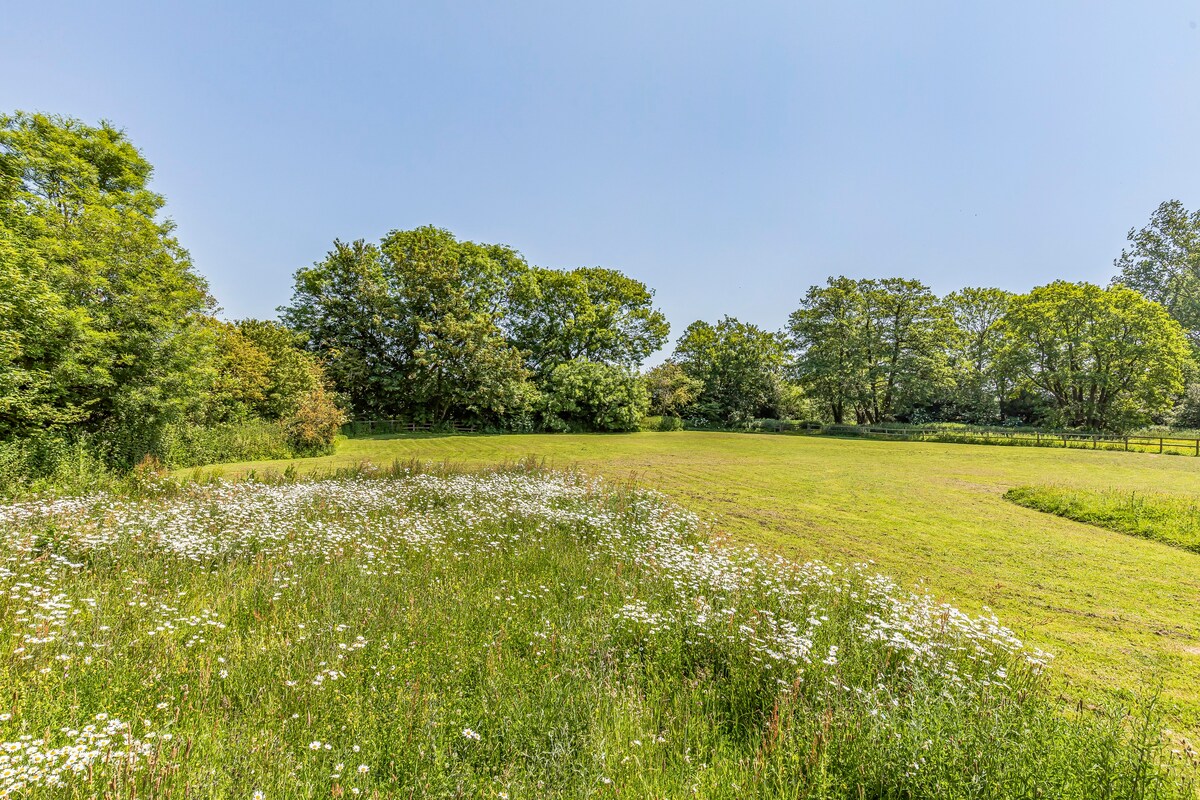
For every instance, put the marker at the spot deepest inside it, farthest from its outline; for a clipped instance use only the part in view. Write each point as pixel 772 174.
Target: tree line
pixel 422 326
pixel 110 340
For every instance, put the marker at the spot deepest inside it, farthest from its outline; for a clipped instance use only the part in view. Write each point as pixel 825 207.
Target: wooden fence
pixel 374 427
pixel 1168 445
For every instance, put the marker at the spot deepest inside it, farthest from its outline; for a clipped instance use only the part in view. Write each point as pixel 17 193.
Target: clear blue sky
pixel 729 154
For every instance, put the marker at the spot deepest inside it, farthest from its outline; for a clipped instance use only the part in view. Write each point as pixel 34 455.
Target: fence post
pixel 1160 445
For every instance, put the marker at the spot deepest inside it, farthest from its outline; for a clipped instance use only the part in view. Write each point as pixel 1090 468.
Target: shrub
pixel 595 396
pixel 194 445
pixel 314 425
pixel 663 423
pixel 47 461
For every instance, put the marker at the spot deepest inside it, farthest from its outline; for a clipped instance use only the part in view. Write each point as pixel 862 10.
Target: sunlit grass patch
pixel 516 633
pixel 1170 519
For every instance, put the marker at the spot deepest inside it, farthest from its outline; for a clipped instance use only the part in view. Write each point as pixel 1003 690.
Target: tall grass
pixel 1166 518
pixel 64 463
pixel 510 634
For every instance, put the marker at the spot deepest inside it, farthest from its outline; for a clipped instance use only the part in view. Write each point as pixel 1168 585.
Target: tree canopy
pixel 869 347
pixel 1162 261
pixel 105 327
pixel 739 367
pixel 1106 358
pixel 591 313
pixel 78 212
pixel 107 332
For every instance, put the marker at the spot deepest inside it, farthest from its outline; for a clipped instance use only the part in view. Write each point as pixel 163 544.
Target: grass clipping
pixel 510 634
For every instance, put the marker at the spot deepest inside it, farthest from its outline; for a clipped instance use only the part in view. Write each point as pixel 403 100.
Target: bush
pixel 594 396
pixel 663 423
pixel 46 461
pixel 314 425
pixel 194 445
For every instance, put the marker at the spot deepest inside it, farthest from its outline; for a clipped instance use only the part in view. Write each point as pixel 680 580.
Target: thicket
pixel 428 328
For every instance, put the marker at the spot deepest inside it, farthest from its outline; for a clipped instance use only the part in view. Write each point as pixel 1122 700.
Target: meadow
pixel 507 633
pixel 1118 612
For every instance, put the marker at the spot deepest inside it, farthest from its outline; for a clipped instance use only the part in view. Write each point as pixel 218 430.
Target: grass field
pixel 1118 612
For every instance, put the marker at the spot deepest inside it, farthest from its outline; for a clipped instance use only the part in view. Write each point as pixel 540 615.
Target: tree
pixel 1163 262
pixel 343 308
pixel 591 313
pixel 670 388
pixel 451 296
pixel 411 328
pixel 43 348
pixel 77 199
pixel 827 333
pixel 738 365
pixel 1106 359
pixel 595 396
pixel 292 373
pixel 869 347
pixel 241 375
pixel 981 383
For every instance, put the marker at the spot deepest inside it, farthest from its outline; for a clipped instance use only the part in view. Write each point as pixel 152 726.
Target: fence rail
pixel 1166 445
pixel 372 427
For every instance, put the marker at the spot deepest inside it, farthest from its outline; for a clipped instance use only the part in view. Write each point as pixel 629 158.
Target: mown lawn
pixel 1119 613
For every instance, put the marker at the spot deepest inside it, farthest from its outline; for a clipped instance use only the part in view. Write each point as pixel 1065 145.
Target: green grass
pixel 1118 612
pixel 513 634
pixel 1152 515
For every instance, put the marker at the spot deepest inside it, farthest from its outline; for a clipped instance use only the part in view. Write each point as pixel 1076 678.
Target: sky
pixel 729 155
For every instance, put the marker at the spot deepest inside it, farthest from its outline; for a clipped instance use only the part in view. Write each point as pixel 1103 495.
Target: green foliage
pixel 426 327
pixel 313 425
pixel 591 313
pixel 739 367
pixel 449 296
pixel 1186 414
pixel 671 389
pixel 291 372
pixel 109 272
pixel 40 461
pixel 411 328
pixel 188 445
pixel 661 423
pixel 870 348
pixel 240 377
pixel 981 382
pixel 1163 262
pixel 1107 359
pixel 593 396
pixel 42 344
pixel 342 307
pixel 1171 519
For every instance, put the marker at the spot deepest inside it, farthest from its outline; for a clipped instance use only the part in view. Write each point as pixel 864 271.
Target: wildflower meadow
pixel 516 633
